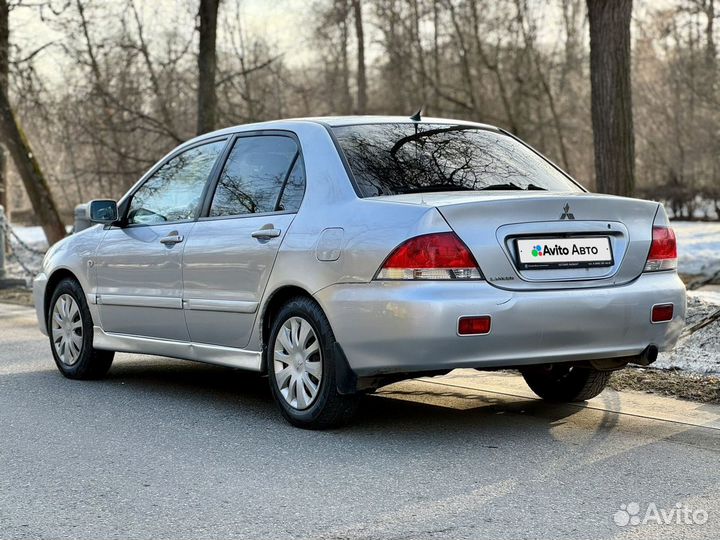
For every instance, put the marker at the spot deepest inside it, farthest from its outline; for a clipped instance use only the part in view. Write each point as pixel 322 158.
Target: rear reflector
pixel 468 326
pixel 431 256
pixel 662 313
pixel 663 250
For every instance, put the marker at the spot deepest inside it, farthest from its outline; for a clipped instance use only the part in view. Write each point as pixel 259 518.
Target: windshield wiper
pixel 434 188
pixel 511 187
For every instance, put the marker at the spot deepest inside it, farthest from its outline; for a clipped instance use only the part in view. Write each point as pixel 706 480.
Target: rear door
pixel 139 265
pixel 228 258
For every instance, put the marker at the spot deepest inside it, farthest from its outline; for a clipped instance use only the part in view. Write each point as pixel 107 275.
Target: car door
pixel 228 258
pixel 139 264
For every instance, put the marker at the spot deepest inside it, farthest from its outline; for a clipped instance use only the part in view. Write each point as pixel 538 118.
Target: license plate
pixel 576 252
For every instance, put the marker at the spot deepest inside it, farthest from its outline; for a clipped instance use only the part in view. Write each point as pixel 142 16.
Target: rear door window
pixel 261 175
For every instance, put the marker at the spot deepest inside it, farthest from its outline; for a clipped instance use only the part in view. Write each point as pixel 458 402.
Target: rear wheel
pixel 70 328
pixel 565 382
pixel 301 368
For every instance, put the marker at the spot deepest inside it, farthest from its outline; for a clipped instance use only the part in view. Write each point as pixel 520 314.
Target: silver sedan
pixel 340 254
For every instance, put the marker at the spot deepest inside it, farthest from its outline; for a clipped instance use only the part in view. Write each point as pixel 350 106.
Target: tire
pixel 301 368
pixel 565 383
pixel 70 328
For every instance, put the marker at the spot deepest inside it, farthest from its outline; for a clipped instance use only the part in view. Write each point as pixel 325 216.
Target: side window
pixel 254 175
pixel 174 192
pixel 294 189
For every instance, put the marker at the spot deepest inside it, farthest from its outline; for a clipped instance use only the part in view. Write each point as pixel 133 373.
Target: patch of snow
pixel 698 247
pixel 31 260
pixel 699 352
pixel 709 294
pixel 33 236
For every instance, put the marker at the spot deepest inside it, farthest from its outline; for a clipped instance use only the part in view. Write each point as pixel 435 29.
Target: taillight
pixel 663 250
pixel 432 256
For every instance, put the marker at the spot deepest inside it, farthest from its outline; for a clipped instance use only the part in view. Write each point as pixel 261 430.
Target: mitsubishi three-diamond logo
pixel 566 214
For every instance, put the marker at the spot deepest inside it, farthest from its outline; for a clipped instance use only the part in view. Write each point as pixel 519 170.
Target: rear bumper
pixel 393 327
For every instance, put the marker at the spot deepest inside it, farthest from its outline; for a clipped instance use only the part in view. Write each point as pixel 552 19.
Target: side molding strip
pixel 139 301
pixel 199 352
pixel 234 306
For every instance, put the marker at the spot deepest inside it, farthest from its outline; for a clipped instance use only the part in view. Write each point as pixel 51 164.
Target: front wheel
pixel 70 328
pixel 565 382
pixel 301 368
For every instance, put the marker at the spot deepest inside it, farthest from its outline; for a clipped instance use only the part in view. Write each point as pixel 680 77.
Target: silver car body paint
pixel 205 298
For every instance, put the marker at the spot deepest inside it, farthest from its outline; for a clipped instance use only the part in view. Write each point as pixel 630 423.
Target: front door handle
pixel 263 234
pixel 172 239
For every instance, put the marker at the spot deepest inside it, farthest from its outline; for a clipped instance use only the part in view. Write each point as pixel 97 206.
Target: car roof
pixel 336 121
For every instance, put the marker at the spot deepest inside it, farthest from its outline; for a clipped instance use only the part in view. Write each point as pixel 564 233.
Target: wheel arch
pixel 271 306
pixel 54 279
pixel 346 379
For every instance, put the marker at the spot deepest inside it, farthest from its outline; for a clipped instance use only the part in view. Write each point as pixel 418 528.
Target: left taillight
pixel 663 250
pixel 431 257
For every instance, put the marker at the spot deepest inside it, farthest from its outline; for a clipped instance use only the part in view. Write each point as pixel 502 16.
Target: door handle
pixel 172 239
pixel 263 234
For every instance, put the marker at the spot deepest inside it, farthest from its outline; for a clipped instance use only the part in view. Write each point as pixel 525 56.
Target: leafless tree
pixel 207 66
pixel 612 115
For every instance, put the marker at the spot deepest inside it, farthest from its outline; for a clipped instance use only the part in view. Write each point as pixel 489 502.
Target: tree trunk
pixel 4 64
pixel 27 166
pixel 611 95
pixel 207 61
pixel 361 74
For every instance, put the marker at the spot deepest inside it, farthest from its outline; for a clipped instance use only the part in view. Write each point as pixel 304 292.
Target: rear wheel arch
pixel 274 304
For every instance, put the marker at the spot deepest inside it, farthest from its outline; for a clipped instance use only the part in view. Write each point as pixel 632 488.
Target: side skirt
pixel 199 352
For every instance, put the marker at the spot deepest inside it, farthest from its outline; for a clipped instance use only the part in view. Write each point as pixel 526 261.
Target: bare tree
pixel 29 169
pixel 612 118
pixel 207 66
pixel 4 68
pixel 361 106
pixel 26 164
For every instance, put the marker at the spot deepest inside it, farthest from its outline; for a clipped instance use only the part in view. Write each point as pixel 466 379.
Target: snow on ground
pixel 33 236
pixel 698 247
pixel 698 254
pixel 699 352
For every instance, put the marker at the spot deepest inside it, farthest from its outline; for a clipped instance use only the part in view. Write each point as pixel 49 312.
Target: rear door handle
pixel 172 239
pixel 266 233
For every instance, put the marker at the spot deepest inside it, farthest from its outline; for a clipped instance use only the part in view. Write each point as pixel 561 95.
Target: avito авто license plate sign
pixel 539 253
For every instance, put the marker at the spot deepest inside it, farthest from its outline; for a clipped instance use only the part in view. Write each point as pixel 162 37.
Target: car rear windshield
pixel 392 159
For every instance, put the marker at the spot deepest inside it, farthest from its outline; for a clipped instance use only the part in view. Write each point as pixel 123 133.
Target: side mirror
pixel 103 211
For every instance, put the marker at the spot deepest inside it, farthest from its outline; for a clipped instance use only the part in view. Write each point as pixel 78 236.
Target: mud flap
pixel 345 378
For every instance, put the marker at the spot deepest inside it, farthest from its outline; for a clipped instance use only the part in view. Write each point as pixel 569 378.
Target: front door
pixel 229 256
pixel 139 265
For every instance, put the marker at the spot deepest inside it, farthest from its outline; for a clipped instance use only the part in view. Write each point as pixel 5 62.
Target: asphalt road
pixel 172 449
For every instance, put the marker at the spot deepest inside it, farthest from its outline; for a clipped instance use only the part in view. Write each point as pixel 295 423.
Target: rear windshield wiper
pixel 510 187
pixel 434 188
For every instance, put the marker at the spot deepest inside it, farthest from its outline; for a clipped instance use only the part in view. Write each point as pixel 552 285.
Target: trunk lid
pixel 491 223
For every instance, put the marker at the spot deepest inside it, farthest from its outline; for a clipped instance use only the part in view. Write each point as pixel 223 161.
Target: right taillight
pixel 663 250
pixel 432 257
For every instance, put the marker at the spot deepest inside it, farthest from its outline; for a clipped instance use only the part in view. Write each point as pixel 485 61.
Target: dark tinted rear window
pixel 391 159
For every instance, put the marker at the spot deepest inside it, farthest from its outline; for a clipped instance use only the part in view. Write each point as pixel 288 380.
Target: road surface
pixel 171 449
